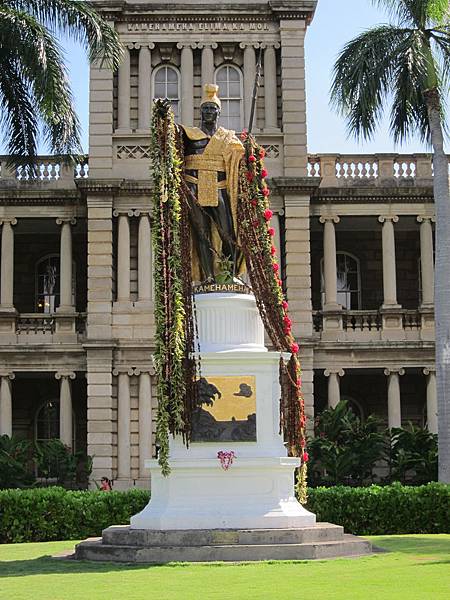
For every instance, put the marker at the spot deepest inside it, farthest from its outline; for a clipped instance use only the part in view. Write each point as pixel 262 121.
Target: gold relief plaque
pixel 226 409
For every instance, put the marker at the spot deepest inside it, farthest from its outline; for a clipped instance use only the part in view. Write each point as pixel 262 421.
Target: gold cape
pixel 223 152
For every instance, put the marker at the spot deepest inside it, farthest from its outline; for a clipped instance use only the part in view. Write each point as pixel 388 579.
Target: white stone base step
pixel 122 544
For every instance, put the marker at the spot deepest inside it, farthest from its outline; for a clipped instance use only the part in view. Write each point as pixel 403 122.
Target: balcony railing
pixel 369 320
pixel 338 170
pixel 49 169
pixel 42 326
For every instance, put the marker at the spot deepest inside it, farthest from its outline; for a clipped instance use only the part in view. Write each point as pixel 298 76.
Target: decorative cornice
pixel 294 185
pixel 359 195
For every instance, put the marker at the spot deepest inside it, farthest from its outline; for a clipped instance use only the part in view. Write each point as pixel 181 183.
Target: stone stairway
pixel 122 544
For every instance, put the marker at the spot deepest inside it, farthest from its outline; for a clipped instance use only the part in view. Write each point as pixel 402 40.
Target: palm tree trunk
pixel 442 281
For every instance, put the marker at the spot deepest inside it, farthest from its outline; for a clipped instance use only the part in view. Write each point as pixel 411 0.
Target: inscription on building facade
pixel 213 26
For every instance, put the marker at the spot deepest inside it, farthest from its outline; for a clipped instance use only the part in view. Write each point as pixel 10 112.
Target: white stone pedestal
pixel 257 491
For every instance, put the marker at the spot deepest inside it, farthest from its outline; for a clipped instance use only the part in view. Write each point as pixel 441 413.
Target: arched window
pixel 229 80
pixel 348 281
pixel 47 421
pixel 166 84
pixel 47 282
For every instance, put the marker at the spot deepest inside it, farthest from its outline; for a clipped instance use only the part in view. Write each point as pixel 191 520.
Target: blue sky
pixel 335 23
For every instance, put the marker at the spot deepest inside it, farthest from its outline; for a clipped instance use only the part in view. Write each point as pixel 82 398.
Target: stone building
pixel 355 235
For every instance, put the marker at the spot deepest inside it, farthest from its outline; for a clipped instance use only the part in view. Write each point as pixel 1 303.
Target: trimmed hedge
pixel 384 510
pixel 46 514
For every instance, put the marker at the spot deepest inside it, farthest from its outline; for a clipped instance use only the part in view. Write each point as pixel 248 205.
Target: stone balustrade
pixel 370 322
pixel 339 170
pixel 42 327
pixel 49 169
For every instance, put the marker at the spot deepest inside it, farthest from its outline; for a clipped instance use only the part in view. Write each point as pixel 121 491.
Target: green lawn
pixel 416 567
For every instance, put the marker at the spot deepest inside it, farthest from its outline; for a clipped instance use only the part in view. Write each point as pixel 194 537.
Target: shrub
pixel 15 457
pixel 344 449
pixel 413 456
pixel 45 514
pixel 20 460
pixel 56 514
pixel 377 510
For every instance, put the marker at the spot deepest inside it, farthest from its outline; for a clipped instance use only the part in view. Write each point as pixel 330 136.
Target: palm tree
pixel 408 65
pixel 35 94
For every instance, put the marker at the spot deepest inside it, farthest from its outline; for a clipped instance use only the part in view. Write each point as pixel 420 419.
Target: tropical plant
pixel 15 456
pixel 413 456
pixel 408 64
pixel 345 449
pixel 56 461
pixel 35 92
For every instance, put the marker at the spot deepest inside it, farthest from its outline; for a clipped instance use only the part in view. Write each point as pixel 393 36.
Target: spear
pixel 255 89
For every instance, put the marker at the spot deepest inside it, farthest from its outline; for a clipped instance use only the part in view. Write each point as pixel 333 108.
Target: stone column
pixel 394 399
pixel 187 84
pixel 334 388
pixel 123 424
pixel 7 265
pixel 124 88
pixel 432 407
pixel 144 85
pixel 208 63
pixel 249 80
pixel 6 403
pixel 427 260
pixel 144 258
pixel 65 407
pixel 329 262
pixel 65 270
pixel 123 256
pixel 270 89
pixel 389 264
pixel 145 420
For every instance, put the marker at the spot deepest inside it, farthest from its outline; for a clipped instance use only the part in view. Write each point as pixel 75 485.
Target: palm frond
pixel 28 45
pixel 409 114
pixel 80 21
pixel 406 12
pixel 362 77
pixel 17 113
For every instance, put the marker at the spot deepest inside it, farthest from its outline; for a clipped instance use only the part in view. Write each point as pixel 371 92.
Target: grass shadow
pixel 48 565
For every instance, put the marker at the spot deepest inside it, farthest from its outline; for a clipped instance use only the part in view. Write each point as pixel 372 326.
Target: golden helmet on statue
pixel 210 94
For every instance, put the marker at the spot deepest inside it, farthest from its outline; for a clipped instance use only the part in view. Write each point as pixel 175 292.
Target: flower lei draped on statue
pixel 175 359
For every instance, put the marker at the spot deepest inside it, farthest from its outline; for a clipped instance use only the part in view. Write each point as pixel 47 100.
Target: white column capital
pixel 329 372
pixel 426 218
pixel 188 45
pixel 250 44
pixel 203 45
pixel 142 212
pixel 394 371
pixel 123 371
pixel 65 374
pixel 8 220
pixel 429 371
pixel 149 369
pixel 7 374
pixel 63 220
pixel 387 218
pixel 123 212
pixel 139 46
pixel 327 218
pixel 266 45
